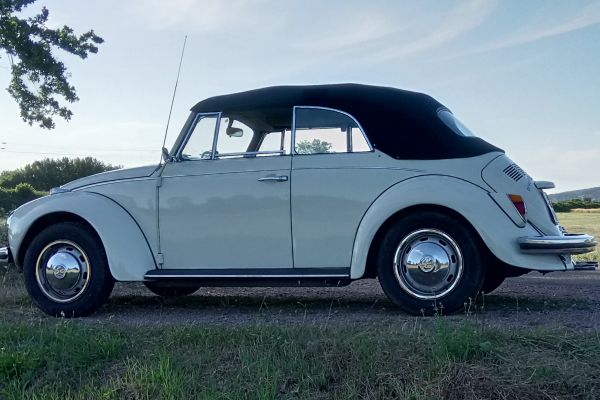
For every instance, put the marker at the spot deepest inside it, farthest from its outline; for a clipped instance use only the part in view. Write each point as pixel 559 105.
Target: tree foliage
pixel 13 198
pixel 313 147
pixel 568 205
pixel 49 173
pixel 38 78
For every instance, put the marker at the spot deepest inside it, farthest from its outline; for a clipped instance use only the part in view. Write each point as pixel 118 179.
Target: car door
pixel 222 207
pixel 335 178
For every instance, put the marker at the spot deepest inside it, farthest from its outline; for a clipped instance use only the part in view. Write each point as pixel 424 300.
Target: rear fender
pixel 494 227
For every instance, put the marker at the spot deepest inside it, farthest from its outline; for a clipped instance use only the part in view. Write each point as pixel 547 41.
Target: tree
pixel 313 147
pixel 37 77
pixel 49 173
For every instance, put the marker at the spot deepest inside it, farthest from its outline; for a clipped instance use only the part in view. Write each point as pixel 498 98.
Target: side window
pixel 234 138
pixel 200 142
pixel 327 131
pixel 276 142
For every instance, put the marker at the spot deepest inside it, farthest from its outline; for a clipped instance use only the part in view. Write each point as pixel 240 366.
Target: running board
pixel 585 265
pixel 253 277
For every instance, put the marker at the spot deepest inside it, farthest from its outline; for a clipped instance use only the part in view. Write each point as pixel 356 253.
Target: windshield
pixel 453 123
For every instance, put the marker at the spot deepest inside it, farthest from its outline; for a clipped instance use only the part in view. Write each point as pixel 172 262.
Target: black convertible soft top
pixel 400 123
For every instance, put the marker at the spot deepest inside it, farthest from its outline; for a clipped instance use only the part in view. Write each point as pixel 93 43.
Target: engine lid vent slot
pixel 514 172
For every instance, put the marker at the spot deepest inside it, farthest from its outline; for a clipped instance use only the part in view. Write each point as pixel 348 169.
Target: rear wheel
pixel 430 262
pixel 66 271
pixel 171 291
pixel 492 281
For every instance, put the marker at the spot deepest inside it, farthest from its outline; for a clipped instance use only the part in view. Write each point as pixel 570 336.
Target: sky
pixel 523 75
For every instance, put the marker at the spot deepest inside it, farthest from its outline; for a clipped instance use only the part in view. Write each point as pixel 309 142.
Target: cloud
pixel 463 18
pixel 586 17
pixel 194 16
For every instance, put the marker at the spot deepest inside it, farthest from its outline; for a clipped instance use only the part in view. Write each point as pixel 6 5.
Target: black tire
pixel 171 291
pixel 462 286
pixel 493 280
pixel 99 282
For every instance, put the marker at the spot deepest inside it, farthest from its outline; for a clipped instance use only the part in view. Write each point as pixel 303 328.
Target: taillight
pixel 519 203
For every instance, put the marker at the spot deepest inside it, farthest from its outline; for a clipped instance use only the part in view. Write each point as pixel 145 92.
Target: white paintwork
pixel 471 201
pixel 129 255
pixel 139 197
pixel 330 195
pixel 217 214
pixel 509 208
pixel 119 174
pixel 537 211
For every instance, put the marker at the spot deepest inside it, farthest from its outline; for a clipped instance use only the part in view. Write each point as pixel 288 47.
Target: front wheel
pixel 430 262
pixel 66 271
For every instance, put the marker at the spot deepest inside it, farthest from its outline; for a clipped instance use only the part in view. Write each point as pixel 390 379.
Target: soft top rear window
pixel 454 124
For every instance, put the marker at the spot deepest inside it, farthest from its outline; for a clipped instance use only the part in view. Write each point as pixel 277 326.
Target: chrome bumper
pixel 567 244
pixel 5 257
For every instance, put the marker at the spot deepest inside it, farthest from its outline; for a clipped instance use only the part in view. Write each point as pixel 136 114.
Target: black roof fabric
pixel 400 123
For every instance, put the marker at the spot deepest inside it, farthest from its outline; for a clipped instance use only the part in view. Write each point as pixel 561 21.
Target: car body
pixel 300 185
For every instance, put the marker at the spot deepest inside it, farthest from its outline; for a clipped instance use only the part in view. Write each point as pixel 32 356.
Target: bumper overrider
pixel 567 244
pixel 5 256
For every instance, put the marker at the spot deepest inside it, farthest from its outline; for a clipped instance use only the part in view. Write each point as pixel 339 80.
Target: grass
pixel 70 360
pixel 583 221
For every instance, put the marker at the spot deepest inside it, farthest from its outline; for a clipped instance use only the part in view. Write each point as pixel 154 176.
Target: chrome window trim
pixel 216 137
pixel 190 130
pixel 362 131
pixel 250 153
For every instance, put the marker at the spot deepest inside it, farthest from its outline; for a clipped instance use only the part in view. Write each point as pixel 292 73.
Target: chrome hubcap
pixel 63 271
pixel 428 264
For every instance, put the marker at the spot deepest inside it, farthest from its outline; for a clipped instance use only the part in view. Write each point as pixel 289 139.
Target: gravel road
pixel 559 300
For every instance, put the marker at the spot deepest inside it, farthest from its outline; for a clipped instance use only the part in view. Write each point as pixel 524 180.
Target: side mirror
pixel 165 155
pixel 234 132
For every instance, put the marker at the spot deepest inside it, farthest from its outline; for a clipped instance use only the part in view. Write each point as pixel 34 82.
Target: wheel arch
pixel 454 196
pixel 45 221
pixel 371 265
pixel 127 249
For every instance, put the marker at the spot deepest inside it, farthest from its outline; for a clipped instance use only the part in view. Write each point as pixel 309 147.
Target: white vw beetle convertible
pixel 299 186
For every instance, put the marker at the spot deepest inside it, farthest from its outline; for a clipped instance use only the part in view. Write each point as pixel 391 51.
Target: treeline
pixel 36 179
pixel 568 205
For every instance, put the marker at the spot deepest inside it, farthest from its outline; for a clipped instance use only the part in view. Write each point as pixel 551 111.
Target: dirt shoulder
pixel 559 300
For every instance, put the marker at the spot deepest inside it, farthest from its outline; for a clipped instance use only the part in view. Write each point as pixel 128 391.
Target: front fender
pixel 128 252
pixel 495 228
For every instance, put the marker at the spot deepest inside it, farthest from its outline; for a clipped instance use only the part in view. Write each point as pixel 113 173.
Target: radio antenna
pixel 164 150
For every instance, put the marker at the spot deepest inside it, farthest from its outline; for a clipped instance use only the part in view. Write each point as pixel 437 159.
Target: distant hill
pixel 591 193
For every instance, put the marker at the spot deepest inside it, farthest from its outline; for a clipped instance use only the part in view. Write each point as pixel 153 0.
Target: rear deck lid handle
pixel 544 185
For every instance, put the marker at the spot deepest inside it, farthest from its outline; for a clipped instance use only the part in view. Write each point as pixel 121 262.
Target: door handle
pixel 273 178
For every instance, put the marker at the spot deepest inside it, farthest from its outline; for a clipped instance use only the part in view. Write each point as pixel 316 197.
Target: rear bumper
pixel 5 256
pixel 567 244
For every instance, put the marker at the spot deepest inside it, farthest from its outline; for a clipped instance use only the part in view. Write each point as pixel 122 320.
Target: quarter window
pixel 319 130
pixel 276 142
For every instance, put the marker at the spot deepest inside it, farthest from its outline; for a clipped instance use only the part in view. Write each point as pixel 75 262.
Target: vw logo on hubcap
pixel 427 263
pixel 60 271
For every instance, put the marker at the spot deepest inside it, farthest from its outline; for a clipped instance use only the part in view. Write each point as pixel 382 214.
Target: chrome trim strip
pixel 216 137
pixel 250 153
pixel 364 133
pixel 57 190
pixel 161 276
